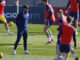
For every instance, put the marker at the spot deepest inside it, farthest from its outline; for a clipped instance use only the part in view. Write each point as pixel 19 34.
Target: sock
pixel 76 29
pixel 14 51
pixel 25 51
pixel 8 31
pixel 63 57
pixel 75 55
pixel 49 39
pixel 56 56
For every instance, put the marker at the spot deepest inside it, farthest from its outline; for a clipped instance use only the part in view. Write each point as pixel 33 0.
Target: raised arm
pixel 68 6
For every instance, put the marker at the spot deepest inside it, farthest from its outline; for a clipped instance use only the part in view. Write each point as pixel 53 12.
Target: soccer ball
pixel 1 55
pixel 10 23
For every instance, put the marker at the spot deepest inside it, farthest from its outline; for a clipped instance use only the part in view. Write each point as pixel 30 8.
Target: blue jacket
pixel 22 22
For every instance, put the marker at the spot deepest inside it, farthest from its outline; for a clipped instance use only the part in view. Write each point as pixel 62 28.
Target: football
pixel 10 23
pixel 1 55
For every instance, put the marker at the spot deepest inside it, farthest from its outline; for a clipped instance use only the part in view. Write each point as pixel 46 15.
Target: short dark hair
pixel 59 11
pixel 69 19
pixel 26 6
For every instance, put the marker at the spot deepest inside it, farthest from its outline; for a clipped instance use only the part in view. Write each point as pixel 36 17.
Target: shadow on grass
pixel 7 35
pixel 7 44
pixel 36 33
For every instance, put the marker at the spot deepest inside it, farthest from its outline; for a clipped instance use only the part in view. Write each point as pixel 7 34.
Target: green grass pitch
pixel 36 44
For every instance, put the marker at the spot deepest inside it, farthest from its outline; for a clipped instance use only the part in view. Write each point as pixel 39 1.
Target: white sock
pixel 63 57
pixel 76 29
pixel 75 55
pixel 14 50
pixel 49 39
pixel 8 31
pixel 25 51
pixel 56 57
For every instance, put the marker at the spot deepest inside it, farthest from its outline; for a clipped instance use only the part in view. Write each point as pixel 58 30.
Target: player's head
pixel 69 19
pixel 59 12
pixel 44 2
pixel 25 8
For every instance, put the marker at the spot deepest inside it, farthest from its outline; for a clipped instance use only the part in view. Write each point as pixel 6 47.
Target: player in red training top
pixel 2 18
pixel 49 20
pixel 63 21
pixel 66 33
pixel 74 11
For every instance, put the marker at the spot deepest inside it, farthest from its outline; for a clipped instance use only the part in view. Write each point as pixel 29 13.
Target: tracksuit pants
pixel 25 36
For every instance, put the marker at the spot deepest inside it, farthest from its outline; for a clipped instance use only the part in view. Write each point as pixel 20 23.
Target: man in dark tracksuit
pixel 22 26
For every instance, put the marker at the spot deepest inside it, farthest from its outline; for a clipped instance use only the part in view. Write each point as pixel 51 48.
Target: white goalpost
pixel 17 4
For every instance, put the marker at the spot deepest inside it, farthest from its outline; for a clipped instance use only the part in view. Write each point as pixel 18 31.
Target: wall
pixel 36 14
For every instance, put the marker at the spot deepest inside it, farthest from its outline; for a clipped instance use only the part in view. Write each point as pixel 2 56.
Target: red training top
pixel 74 5
pixel 67 34
pixel 49 13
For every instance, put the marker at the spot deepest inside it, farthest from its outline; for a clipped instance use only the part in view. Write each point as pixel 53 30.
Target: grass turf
pixel 36 44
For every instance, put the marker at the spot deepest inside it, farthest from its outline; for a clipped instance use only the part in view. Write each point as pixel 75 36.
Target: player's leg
pixel 76 18
pixel 17 42
pixel 76 25
pixel 72 51
pixel 67 52
pixel 25 37
pixel 47 34
pixel 60 54
pixel 57 48
pixel 57 52
pixel 50 23
pixel 50 34
pixel 66 56
pixel 2 18
pixel 47 31
pixel 61 51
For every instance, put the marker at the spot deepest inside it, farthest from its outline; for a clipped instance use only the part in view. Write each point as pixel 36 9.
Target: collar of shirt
pixel 69 24
pixel 24 12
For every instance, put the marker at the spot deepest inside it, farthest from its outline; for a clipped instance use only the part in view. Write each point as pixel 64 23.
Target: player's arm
pixel 18 17
pixel 68 6
pixel 74 39
pixel 59 34
pixel 61 23
pixel 50 12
